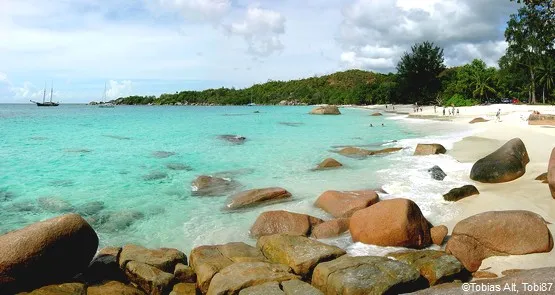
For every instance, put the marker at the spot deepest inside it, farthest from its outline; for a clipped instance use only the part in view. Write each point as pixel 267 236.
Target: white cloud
pixel 3 77
pixel 261 29
pixel 199 10
pixel 27 91
pixel 375 33
pixel 119 89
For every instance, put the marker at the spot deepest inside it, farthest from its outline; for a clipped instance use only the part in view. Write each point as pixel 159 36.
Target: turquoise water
pixel 111 165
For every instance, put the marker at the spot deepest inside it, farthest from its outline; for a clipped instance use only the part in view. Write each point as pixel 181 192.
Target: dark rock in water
pixel 211 186
pixel 162 154
pixel 178 166
pixel 235 139
pixel 62 183
pixel 25 206
pixel 6 195
pixel 47 252
pixel 118 137
pixel 254 197
pixel 39 138
pixel 359 153
pixel 78 151
pixel 461 193
pixel 155 175
pixel 116 221
pixel 90 208
pixel 325 110
pixel 437 173
pixel 505 164
pixel 328 164
pixel 291 124
pixel 257 112
pixel 233 173
pixel 54 204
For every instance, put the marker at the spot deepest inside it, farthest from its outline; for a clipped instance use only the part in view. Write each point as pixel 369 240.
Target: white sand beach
pixel 524 193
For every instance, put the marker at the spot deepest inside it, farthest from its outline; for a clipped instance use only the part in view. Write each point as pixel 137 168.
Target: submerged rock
pixel 155 175
pixel 291 124
pixel 355 152
pixel 283 222
pixel 45 252
pixel 62 183
pixel 211 186
pixel 300 253
pixel 459 193
pixel 241 275
pixel 178 166
pixel 207 261
pixel 329 163
pixel 162 154
pixel 394 222
pixel 423 149
pixel 78 151
pixel 376 114
pixel 325 110
pixel 6 195
pixel 255 197
pixel 345 203
pixel 116 221
pixel 348 275
pixel 436 266
pixel 118 137
pixel 497 233
pixel 90 208
pixel 505 164
pixel 54 204
pixel 235 139
pixel 437 173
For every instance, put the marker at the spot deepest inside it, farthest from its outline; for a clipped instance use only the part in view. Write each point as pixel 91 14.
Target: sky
pixel 149 47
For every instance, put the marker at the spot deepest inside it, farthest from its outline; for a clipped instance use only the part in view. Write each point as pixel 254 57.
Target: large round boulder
pixel 497 233
pixel 325 110
pixel 45 252
pixel 395 222
pixel 345 203
pixel 423 149
pixel 551 173
pixel 254 197
pixel 283 222
pixel 505 164
pixel 478 120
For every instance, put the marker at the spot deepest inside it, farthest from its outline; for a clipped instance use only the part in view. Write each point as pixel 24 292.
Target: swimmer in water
pixel 371 125
pixel 383 125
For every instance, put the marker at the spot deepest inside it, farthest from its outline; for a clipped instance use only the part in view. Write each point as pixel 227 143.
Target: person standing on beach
pixel 498 116
pixel 444 111
pixel 457 112
pixel 435 109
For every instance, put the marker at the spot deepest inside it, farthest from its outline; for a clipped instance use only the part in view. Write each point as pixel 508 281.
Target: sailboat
pixel 104 104
pixel 45 103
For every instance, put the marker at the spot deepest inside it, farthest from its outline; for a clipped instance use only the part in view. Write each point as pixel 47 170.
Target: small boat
pixel 252 104
pixel 103 104
pixel 45 103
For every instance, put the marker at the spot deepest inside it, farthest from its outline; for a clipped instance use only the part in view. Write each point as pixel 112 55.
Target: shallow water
pixel 128 169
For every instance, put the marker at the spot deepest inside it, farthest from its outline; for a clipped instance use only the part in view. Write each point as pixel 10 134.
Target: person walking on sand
pixel 444 111
pixel 498 116
pixel 457 112
pixel 435 109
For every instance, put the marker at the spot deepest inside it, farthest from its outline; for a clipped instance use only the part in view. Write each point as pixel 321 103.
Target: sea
pixel 128 170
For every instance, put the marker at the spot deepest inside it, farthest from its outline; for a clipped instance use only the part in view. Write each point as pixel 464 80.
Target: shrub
pixel 459 101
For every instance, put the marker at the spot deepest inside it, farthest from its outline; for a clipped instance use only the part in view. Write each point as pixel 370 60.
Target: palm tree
pixel 482 84
pixel 546 76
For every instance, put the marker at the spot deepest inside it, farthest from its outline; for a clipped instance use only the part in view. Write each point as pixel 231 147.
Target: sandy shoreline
pixel 524 193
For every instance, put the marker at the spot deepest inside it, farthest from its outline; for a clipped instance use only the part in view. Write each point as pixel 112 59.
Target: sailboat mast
pixel 104 95
pixel 51 90
pixel 44 93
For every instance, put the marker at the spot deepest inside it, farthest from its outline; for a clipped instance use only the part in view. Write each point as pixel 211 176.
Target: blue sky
pixel 149 47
